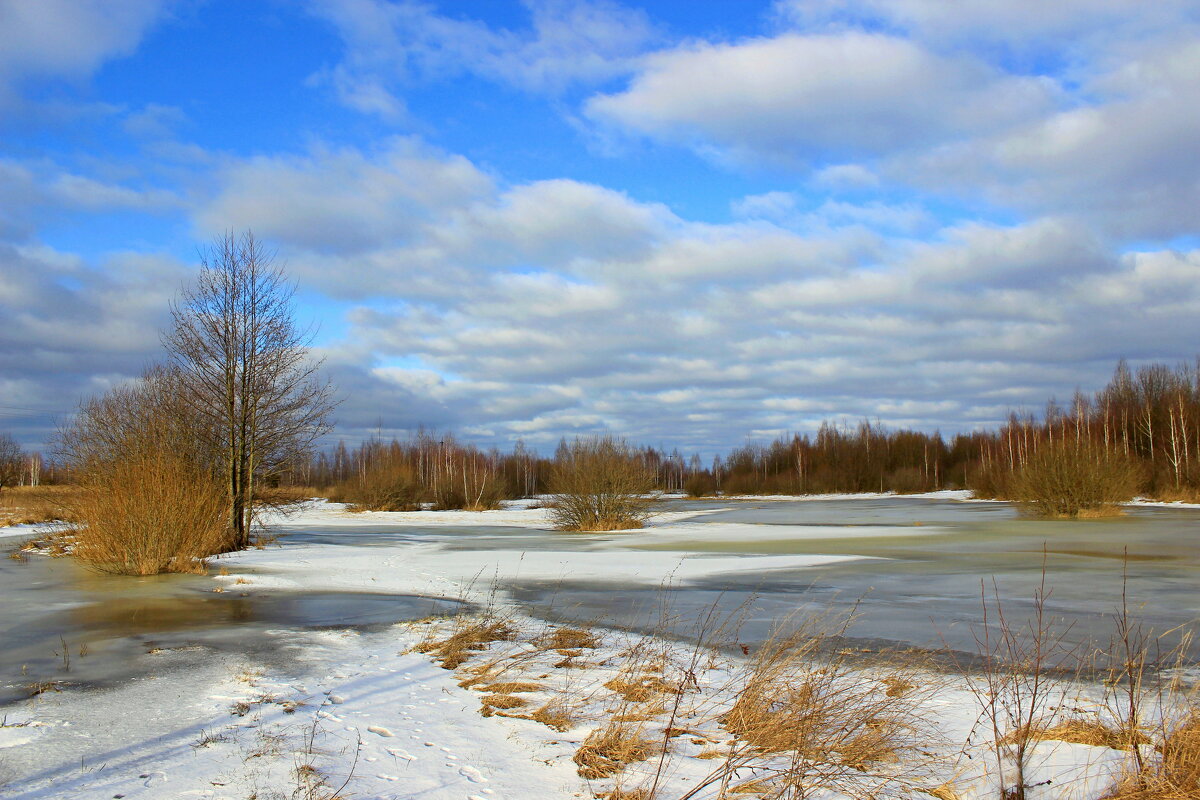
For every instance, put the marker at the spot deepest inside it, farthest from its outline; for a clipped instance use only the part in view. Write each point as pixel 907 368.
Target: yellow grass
pixel 606 751
pixel 471 636
pixel 512 687
pixel 33 505
pixel 569 639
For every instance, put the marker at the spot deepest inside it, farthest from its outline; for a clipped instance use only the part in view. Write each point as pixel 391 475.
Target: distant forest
pixel 1149 417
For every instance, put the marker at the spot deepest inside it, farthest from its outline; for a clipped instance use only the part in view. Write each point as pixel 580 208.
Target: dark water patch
pixel 138 616
pixel 106 642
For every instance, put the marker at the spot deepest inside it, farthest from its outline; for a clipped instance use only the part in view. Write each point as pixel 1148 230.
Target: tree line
pixel 1146 419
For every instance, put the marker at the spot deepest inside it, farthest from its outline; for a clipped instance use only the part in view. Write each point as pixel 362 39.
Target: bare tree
pixel 12 460
pixel 246 367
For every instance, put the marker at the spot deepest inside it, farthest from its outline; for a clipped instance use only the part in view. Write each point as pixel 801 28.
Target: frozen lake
pixel 913 566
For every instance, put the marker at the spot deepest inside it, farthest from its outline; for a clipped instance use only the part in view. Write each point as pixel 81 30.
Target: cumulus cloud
pixel 799 97
pixel 1087 108
pixel 550 307
pixel 1124 161
pixel 33 190
pixel 341 200
pixel 67 39
pixel 73 328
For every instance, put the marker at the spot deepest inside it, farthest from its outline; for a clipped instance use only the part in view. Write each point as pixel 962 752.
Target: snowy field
pixel 360 713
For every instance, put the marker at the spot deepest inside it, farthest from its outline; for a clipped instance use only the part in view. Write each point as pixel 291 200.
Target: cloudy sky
pixel 688 223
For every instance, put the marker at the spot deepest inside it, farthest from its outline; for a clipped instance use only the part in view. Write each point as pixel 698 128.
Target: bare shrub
pixel 147 512
pixel 1019 696
pixel 12 461
pixel 700 484
pixel 148 500
pixel 1073 479
pixel 388 486
pixel 599 484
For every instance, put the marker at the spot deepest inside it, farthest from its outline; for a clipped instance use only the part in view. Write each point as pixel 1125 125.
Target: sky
pixel 690 224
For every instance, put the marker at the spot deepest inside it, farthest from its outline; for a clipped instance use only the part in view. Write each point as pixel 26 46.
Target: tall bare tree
pixel 12 460
pixel 245 363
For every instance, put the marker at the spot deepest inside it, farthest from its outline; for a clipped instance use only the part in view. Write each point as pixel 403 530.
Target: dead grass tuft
pixel 512 687
pixel 897 686
pixel 555 715
pixel 640 793
pixel 606 751
pixel 945 791
pixel 1079 731
pixel 504 701
pixel 472 635
pixel 1175 774
pixel 641 688
pixel 569 639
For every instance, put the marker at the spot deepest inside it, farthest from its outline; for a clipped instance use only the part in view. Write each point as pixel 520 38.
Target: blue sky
pixel 686 223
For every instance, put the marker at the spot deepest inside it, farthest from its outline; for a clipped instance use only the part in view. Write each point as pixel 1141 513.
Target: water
pixel 915 577
pixel 69 626
pixel 929 565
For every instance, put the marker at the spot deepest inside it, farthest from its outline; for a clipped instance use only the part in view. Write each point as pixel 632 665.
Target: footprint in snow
pixel 336 699
pixel 400 752
pixel 472 774
pixel 379 730
pixel 385 777
pixel 153 778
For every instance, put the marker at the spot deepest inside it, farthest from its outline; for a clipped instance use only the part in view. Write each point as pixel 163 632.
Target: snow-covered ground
pixel 362 708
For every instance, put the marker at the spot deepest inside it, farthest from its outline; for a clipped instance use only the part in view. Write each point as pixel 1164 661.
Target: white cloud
pixel 390 45
pixel 1065 24
pixel 548 307
pixel 67 38
pixel 819 97
pixel 338 200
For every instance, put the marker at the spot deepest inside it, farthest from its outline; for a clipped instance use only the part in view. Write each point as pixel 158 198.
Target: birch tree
pixel 246 369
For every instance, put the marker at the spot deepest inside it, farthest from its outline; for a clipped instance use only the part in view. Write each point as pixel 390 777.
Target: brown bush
pixel 148 499
pixel 700 484
pixel 147 512
pixel 599 484
pixel 388 486
pixel 1072 479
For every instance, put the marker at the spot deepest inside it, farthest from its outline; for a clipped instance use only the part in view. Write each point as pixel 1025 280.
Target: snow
pixel 366 709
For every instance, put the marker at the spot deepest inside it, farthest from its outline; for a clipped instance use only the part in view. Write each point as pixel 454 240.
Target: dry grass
pixel 1174 774
pixel 34 505
pixel 570 639
pixel 607 751
pixel 470 636
pixel 1078 731
pixel 503 701
pixel 641 688
pixel 640 793
pixel 945 791
pixel 555 715
pixel 512 687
